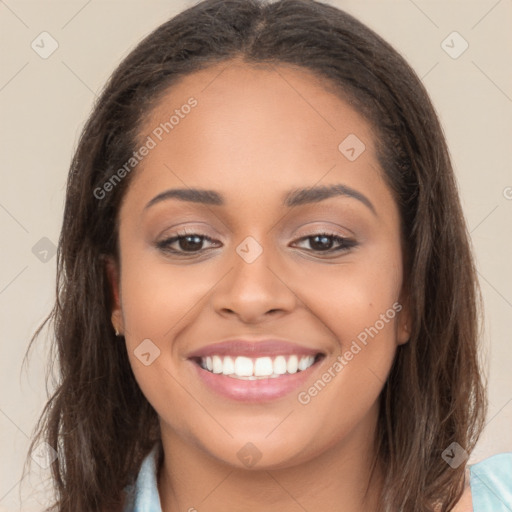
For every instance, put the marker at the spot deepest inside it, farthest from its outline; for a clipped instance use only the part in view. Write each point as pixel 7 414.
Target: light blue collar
pixel 491 484
pixel 143 496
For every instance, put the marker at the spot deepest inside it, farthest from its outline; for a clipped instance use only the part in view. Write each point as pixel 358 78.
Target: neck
pixel 340 478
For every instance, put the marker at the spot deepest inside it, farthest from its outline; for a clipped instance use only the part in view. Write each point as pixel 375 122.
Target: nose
pixel 256 291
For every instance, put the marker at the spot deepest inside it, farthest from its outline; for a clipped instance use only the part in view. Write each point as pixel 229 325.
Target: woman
pixel 267 299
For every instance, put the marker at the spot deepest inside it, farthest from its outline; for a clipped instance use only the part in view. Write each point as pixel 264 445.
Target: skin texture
pixel 255 134
pixel 465 504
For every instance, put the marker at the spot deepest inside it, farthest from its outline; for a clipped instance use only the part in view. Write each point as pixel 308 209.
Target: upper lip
pixel 251 348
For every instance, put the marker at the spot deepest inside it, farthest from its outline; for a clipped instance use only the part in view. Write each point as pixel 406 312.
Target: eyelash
pixel 345 243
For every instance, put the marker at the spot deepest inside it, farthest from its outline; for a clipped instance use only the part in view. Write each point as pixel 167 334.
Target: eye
pixel 191 243
pixel 323 242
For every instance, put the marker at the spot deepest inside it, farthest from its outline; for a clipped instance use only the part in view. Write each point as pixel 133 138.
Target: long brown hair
pixel 98 419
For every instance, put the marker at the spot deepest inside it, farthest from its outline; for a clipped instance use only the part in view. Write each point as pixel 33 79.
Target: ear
pixel 404 319
pixel 113 273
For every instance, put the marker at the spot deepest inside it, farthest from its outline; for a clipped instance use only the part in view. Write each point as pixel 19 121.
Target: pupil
pixel 323 240
pixel 190 246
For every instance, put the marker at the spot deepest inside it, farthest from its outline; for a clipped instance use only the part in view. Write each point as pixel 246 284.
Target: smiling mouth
pixel 267 367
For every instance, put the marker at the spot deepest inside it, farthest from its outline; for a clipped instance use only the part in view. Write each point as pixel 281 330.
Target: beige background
pixel 45 102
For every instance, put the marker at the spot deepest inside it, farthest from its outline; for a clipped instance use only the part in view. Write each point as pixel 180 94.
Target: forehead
pixel 235 97
pixel 252 127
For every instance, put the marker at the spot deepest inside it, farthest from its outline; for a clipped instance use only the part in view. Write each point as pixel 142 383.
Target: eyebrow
pixel 292 198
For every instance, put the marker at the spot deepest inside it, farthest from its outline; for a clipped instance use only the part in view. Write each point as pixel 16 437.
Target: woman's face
pixel 290 259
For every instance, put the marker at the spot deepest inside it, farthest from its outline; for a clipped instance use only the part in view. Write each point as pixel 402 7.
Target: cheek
pixel 158 298
pixel 351 297
pixel 357 305
pixel 362 316
pixel 159 302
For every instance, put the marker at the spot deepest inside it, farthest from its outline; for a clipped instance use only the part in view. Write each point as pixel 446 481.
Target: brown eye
pixel 324 242
pixel 186 243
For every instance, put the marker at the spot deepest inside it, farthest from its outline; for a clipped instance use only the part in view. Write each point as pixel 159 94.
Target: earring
pixel 114 325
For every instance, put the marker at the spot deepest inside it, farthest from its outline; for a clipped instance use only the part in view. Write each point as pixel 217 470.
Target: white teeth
pixel 260 367
pixel 263 367
pixel 305 362
pixel 229 366
pixel 280 365
pixel 243 366
pixel 292 364
pixel 217 364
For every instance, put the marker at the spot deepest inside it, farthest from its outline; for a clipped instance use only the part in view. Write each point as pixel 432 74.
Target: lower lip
pixel 258 390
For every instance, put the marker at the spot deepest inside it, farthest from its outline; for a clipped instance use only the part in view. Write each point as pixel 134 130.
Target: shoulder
pixel 491 484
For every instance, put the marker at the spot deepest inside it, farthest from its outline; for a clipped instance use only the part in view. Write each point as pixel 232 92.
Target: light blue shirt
pixel 490 481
